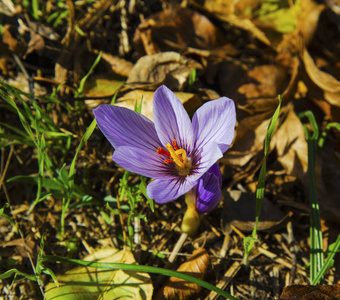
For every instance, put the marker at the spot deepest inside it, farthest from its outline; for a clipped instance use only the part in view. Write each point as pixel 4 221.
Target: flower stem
pixel 192 218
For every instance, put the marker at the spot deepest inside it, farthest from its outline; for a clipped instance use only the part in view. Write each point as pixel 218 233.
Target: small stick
pixel 4 171
pixel 23 70
pixel 226 280
pixel 225 246
pixel 293 249
pixel 178 247
pixel 121 220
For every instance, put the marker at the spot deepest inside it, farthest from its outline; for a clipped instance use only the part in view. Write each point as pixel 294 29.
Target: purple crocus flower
pixel 173 150
pixel 208 190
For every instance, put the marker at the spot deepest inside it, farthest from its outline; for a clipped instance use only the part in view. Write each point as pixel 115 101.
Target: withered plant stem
pixel 121 220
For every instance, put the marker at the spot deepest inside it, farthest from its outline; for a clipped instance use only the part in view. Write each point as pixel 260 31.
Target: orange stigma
pixel 177 155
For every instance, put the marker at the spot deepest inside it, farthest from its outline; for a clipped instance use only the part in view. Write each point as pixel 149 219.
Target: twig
pixel 124 46
pixel 4 171
pixel 225 246
pixel 177 247
pixel 121 220
pixel 293 250
pixel 226 280
pixel 29 78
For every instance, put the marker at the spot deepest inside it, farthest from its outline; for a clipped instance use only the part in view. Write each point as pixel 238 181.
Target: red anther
pixel 162 151
pixel 174 144
pixel 168 161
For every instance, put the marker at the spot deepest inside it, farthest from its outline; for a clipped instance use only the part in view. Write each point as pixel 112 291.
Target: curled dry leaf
pixel 36 43
pixel 291 146
pixel 117 65
pixel 322 79
pixel 169 68
pixel 257 98
pixel 308 19
pixel 176 29
pixel 311 292
pixel 230 11
pixel 179 289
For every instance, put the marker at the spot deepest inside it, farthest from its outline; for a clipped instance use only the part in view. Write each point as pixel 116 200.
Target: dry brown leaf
pixel 333 99
pixel 102 85
pixel 230 11
pixel 10 42
pixel 180 289
pixel 36 43
pixel 239 211
pixel 246 25
pixel 291 146
pixel 322 79
pixel 246 147
pixel 230 7
pixel 219 6
pixel 256 89
pixel 3 66
pixel 176 29
pixel 118 65
pixel 311 292
pixel 24 248
pixel 265 81
pixel 169 68
pixel 308 19
pixel 260 87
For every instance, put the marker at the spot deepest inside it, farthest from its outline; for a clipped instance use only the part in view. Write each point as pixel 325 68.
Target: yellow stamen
pixel 183 153
pixel 178 160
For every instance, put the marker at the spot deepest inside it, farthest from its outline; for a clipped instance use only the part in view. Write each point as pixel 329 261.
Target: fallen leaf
pixel 322 79
pixel 92 283
pixel 117 65
pixel 308 19
pixel 102 85
pixel 176 29
pixel 36 43
pixel 291 146
pixel 256 91
pixel 176 288
pixel 311 292
pixel 239 211
pixel 169 68
pixel 9 42
pixel 3 65
pixel 245 24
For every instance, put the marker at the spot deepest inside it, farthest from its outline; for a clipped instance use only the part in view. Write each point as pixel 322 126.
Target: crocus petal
pixel 141 161
pixel 171 119
pixel 124 127
pixel 215 168
pixel 210 154
pixel 215 121
pixel 208 193
pixel 163 191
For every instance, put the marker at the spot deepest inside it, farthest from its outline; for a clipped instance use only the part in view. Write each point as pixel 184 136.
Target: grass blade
pixel 316 254
pixel 249 242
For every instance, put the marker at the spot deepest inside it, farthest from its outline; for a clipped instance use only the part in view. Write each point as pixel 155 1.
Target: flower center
pixel 178 156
